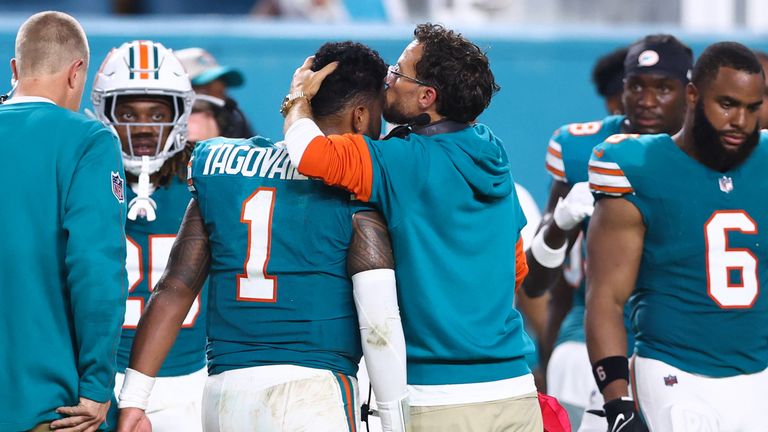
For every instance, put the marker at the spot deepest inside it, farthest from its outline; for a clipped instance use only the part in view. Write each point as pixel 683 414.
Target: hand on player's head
pixel 308 81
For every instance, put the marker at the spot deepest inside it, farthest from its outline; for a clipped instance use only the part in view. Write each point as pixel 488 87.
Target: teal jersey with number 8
pixel 278 286
pixel 567 159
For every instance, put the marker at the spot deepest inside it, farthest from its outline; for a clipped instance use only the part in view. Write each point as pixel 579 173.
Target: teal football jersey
pixel 697 303
pixel 148 248
pixel 567 160
pixel 62 261
pixel 571 145
pixel 454 219
pixel 278 286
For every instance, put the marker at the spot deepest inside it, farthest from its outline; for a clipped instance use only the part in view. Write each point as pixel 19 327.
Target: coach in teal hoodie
pixel 455 220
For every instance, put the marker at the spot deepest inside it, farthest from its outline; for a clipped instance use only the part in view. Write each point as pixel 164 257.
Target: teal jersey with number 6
pixel 697 303
pixel 278 286
pixel 148 246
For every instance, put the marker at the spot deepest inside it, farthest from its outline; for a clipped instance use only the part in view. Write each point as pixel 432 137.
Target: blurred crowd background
pixel 541 51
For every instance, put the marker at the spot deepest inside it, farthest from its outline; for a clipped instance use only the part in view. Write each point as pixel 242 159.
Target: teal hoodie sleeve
pixel 93 219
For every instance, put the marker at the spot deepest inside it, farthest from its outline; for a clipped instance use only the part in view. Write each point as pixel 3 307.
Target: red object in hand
pixel 554 415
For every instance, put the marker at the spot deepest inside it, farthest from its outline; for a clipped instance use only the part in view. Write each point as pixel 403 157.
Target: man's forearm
pixel 606 337
pixel 543 275
pixel 554 236
pixel 561 302
pixel 158 328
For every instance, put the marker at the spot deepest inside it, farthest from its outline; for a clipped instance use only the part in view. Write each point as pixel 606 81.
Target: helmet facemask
pixel 144 69
pixel 164 147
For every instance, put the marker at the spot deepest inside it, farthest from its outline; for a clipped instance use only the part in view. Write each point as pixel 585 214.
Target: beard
pixel 395 116
pixel 709 147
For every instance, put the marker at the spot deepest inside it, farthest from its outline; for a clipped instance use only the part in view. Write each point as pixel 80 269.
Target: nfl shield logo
pixel 726 184
pixel 670 380
pixel 118 187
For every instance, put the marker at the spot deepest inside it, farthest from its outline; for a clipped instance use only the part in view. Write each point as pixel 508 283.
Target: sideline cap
pixel 662 54
pixel 203 68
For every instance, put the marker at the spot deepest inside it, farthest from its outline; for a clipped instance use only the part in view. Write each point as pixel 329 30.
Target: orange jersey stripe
pixel 521 265
pixel 350 402
pixel 340 160
pixel 143 60
pixel 554 152
pixel 555 171
pixel 611 189
pixel 606 171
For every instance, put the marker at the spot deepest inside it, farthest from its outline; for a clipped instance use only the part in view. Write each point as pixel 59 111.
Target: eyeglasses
pixel 394 71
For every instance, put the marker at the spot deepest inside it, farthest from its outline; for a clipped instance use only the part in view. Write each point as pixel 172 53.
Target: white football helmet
pixel 144 68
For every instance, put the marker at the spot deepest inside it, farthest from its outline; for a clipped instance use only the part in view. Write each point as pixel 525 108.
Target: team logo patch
pixel 118 187
pixel 726 184
pixel 648 58
pixel 670 380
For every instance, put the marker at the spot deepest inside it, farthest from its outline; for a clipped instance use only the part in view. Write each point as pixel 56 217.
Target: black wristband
pixel 610 369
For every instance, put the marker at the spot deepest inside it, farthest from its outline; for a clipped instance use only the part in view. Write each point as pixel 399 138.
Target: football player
pixel 283 334
pixel 676 232
pixel 656 70
pixel 143 93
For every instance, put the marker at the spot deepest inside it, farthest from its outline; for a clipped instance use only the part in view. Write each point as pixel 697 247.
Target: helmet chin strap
pixel 143 205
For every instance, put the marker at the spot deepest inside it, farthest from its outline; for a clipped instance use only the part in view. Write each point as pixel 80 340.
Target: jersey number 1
pixel 724 262
pixel 254 284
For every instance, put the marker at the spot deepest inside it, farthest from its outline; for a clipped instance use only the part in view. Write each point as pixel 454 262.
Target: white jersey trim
pixel 554 161
pixel 453 394
pixel 27 99
pixel 607 178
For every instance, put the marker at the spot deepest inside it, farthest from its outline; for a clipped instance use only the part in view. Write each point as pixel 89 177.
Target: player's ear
pixel 360 119
pixel 76 70
pixel 691 94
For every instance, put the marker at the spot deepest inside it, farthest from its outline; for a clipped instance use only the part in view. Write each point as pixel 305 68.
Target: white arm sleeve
pixel 381 332
pixel 298 137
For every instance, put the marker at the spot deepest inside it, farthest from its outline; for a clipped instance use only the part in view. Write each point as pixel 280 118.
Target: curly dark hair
pixel 175 166
pixel 608 72
pixel 459 71
pixel 359 76
pixel 732 55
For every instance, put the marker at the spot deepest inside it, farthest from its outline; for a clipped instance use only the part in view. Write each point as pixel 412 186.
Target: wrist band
pixel 136 390
pixel 610 369
pixel 545 255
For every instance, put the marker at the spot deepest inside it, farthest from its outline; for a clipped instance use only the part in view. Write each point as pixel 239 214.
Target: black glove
pixel 621 416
